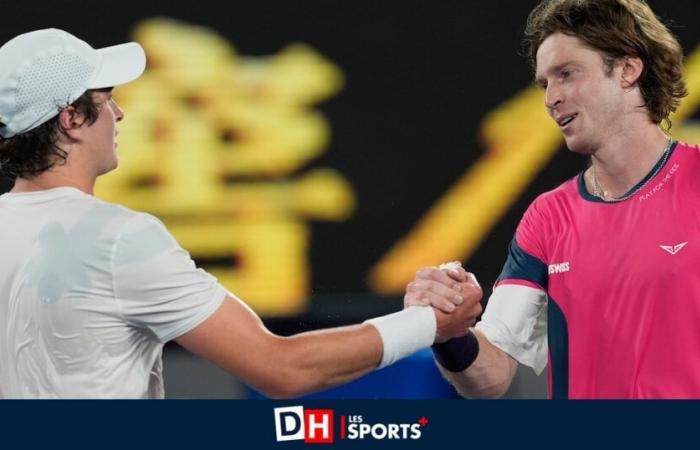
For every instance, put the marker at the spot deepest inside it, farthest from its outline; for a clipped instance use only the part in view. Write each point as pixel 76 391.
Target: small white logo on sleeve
pixel 558 268
pixel 673 249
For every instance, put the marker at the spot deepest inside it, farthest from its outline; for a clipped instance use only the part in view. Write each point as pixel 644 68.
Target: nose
pixel 118 112
pixel 553 96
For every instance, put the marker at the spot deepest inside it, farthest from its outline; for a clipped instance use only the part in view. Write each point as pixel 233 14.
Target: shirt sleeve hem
pixel 536 360
pixel 207 312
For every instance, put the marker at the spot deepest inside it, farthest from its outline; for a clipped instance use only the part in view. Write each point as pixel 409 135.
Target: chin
pixel 108 167
pixel 576 146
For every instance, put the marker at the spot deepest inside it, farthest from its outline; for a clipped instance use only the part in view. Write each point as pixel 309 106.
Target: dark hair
pixel 29 154
pixel 618 28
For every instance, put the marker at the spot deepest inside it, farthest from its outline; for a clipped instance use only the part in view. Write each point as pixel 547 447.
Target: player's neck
pixel 626 158
pixel 55 178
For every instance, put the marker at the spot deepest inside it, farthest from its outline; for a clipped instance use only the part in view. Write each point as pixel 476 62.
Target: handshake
pixel 452 292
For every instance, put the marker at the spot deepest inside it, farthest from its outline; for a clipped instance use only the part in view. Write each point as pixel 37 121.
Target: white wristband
pixel 405 332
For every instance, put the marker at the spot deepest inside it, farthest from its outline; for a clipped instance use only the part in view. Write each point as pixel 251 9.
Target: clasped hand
pixel 452 292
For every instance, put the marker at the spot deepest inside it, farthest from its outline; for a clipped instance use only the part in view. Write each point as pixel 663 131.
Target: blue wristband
pixel 457 354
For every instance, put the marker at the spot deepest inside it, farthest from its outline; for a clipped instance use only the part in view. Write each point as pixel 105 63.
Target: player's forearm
pixel 235 339
pixel 489 376
pixel 322 359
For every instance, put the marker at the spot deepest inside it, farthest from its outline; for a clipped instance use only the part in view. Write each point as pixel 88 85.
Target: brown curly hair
pixel 29 154
pixel 618 28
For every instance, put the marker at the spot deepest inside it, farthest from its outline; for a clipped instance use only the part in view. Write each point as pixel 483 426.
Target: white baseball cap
pixel 43 71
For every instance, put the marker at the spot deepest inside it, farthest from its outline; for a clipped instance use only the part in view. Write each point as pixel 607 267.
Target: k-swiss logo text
pixel 673 249
pixel 558 268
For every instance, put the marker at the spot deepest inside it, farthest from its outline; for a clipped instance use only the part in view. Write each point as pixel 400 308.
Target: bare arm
pixel 489 376
pixel 235 339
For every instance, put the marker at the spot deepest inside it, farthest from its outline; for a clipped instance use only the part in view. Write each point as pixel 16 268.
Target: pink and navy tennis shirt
pixel 607 293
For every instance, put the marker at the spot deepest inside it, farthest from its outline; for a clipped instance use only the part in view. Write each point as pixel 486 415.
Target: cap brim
pixel 120 64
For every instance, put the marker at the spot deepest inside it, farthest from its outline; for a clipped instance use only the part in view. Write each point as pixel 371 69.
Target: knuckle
pixel 474 290
pixel 424 272
pixel 423 285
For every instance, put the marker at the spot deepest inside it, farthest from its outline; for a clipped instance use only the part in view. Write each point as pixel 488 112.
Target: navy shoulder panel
pixel 523 266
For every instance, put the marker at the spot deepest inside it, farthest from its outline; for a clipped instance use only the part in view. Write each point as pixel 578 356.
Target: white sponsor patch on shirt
pixel 558 268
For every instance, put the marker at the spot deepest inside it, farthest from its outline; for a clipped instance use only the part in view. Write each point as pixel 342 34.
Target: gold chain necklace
pixel 605 196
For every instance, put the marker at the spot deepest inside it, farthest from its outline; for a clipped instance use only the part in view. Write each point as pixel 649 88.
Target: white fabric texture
pixel 515 320
pixel 405 332
pixel 89 293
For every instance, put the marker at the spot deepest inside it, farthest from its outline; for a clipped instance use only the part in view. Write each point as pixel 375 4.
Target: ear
pixel 71 121
pixel 632 69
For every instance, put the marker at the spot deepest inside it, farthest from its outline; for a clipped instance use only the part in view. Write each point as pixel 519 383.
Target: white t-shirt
pixel 89 293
